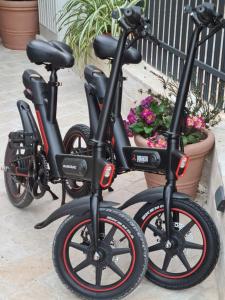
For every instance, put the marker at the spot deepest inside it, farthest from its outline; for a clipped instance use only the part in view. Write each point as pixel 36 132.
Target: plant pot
pixel 19 23
pixel 187 184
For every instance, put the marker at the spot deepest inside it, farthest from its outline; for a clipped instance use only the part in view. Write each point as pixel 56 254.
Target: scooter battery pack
pixel 74 167
pixel 148 160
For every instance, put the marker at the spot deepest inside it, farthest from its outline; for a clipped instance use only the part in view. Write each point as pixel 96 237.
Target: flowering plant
pixel 152 117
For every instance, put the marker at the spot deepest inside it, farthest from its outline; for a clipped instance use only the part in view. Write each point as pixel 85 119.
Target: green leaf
pixel 148 130
pixel 137 129
pixel 185 140
pixel 155 108
pixel 83 20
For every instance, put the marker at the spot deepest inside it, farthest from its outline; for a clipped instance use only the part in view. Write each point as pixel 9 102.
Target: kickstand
pixel 51 192
pixel 63 192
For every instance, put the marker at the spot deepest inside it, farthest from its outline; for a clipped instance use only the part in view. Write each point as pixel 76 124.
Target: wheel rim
pixel 186 255
pixel 76 145
pixel 97 272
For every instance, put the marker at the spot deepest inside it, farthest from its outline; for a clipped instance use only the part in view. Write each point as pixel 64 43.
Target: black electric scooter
pixel 182 238
pixel 99 251
pixel 183 241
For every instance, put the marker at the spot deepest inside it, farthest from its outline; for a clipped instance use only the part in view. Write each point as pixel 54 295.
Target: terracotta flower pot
pixel 19 23
pixel 187 184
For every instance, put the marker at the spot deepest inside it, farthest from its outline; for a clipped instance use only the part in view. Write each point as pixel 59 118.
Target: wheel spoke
pixel 116 269
pixel 84 264
pixel 120 251
pixel 155 230
pixel 90 232
pixel 79 142
pixel 184 260
pixel 19 188
pixel 155 247
pixel 187 227
pixel 110 235
pixel 81 247
pixel 166 262
pixel 191 245
pixel 176 218
pixel 98 275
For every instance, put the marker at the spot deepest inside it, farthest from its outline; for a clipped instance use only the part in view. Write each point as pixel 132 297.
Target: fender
pixel 151 195
pixel 77 207
pixel 28 121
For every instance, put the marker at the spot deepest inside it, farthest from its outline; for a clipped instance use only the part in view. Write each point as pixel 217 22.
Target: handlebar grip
pixel 132 15
pixel 206 13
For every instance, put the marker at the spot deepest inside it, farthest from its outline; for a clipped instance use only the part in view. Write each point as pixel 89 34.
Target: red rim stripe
pixel 72 275
pixel 204 244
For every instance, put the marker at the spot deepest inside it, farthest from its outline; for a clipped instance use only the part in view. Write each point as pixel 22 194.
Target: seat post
pixel 53 96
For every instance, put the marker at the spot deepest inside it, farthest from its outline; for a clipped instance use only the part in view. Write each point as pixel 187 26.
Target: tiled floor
pixel 26 270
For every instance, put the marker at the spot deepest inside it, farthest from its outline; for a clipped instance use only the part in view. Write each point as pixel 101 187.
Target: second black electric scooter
pixel 183 241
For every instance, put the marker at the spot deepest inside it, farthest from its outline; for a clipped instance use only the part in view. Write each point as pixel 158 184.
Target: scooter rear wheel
pixel 17 187
pixel 122 260
pixel 76 142
pixel 194 248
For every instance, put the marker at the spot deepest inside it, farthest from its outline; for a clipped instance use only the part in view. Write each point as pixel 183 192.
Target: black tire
pixel 185 273
pixel 73 188
pixel 136 253
pixel 17 198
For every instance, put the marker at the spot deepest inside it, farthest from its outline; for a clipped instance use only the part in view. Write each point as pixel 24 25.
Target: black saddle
pixel 105 48
pixel 54 53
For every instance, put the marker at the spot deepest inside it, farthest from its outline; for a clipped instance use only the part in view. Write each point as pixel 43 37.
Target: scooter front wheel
pixel 121 261
pixel 194 249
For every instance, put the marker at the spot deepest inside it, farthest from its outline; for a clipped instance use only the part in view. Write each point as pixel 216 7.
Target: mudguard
pixel 28 121
pixel 151 195
pixel 77 207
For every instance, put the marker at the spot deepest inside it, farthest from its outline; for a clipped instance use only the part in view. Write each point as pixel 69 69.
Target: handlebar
pixel 133 16
pixel 133 19
pixel 204 14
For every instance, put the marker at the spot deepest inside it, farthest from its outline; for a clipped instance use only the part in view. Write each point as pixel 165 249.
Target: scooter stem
pixel 174 134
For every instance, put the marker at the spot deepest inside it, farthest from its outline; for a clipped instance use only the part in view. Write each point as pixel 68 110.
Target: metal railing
pixel 174 28
pixel 48 10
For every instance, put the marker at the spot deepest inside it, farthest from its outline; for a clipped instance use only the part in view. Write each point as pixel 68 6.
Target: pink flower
pixel 147 101
pixel 132 118
pixel 190 122
pixel 199 123
pixel 157 141
pixel 162 143
pixel 148 116
pixel 196 122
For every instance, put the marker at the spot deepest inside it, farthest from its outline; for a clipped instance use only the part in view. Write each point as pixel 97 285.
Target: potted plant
pixel 148 121
pixel 83 20
pixel 18 22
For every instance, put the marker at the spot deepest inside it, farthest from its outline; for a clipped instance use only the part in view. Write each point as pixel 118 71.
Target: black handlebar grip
pixel 132 15
pixel 206 13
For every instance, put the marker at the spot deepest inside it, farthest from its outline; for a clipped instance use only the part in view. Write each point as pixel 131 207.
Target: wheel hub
pixel 103 255
pixel 175 244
